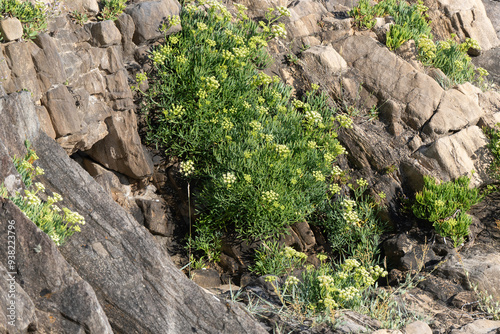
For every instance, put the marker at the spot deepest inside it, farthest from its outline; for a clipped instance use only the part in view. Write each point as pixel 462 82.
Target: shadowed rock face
pixel 58 299
pixel 139 289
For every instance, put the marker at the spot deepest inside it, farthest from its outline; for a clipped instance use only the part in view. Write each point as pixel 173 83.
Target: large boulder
pixel 389 77
pixel 148 16
pixel 138 286
pixel 469 19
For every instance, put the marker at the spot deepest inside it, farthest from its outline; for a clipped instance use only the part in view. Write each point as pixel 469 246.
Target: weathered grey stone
pixel 384 74
pixel 112 60
pixel 45 121
pixel 62 109
pixel 93 82
pixel 157 216
pixel 48 62
pixel 479 266
pixel 106 33
pixel 148 16
pixel 82 6
pixel 22 68
pixel 84 139
pixel 11 29
pixel 417 327
pixel 304 18
pixel 121 150
pixel 460 154
pixel 456 111
pixel 327 57
pixel 23 318
pixel 118 91
pixel 126 25
pixel 53 286
pixel 480 326
pixel 490 60
pixel 206 277
pixel 469 17
pixel 305 234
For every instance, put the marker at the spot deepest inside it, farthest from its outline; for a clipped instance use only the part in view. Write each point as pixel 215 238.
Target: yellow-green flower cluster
pixel 211 83
pixel 278 30
pixel 336 171
pixel 349 214
pixel 335 188
pixel 348 293
pixel 269 196
pixel 227 124
pixel 241 52
pixel 362 182
pixel 427 48
pixel 292 280
pixel 313 117
pixel 283 11
pixel 482 72
pixel 262 79
pixel 31 198
pixel 344 121
pixel 312 144
pixel 141 77
pixel 228 179
pixel 283 150
pixel 289 253
pixel 175 112
pixel 318 176
pixel 187 167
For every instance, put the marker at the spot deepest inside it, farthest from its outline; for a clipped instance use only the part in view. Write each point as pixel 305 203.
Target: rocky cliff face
pixel 68 93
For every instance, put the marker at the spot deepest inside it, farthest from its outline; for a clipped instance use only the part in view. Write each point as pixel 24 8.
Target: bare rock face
pixel 456 111
pixel 18 317
pixel 82 6
pixel 116 151
pixel 388 76
pixel 11 29
pixel 106 33
pixel 325 57
pixel 469 18
pixel 62 110
pixel 460 154
pixel 63 302
pixel 139 288
pixel 23 73
pixel 148 16
pixel 304 18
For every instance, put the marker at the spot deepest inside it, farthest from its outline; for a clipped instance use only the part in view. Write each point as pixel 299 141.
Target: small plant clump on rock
pixel 111 9
pixel 410 22
pixel 32 15
pixel 58 223
pixel 318 290
pixel 445 205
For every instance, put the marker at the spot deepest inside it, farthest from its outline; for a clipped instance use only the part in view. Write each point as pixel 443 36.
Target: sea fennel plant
pixel 260 158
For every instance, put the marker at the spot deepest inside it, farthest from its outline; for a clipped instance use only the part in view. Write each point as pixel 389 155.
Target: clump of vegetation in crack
pixel 33 16
pixel 445 205
pixel 494 146
pixel 111 9
pixel 411 22
pixel 58 223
